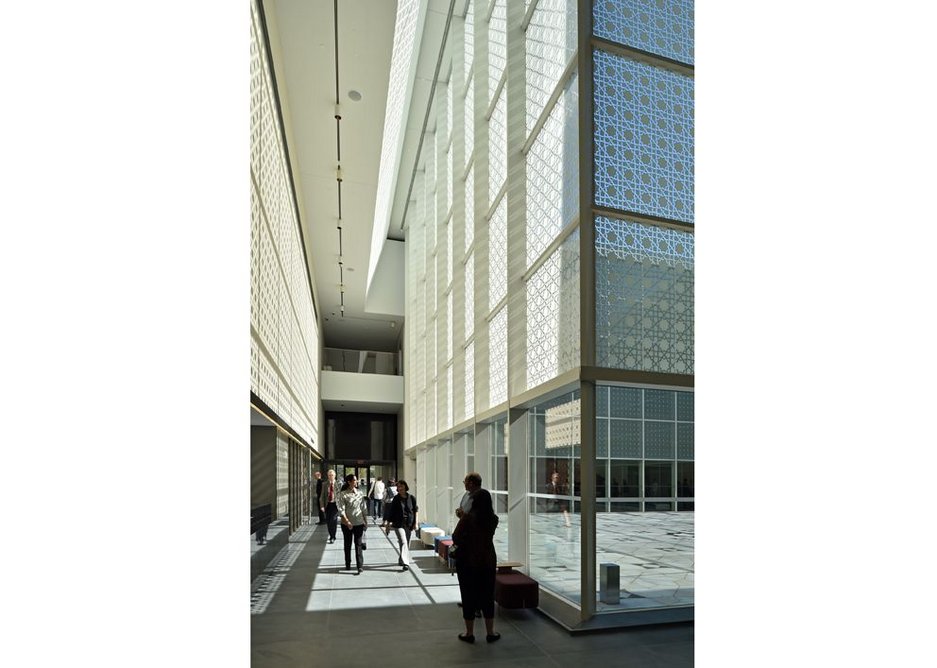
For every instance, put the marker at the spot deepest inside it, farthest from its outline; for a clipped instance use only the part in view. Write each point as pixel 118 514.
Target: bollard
pixel 609 581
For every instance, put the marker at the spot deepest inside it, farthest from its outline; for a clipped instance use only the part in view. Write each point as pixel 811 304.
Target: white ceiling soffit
pixel 386 294
pixel 408 30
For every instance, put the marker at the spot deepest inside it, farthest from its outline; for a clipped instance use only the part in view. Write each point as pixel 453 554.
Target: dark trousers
pixel 355 532
pixel 477 587
pixel 331 519
pixel 377 508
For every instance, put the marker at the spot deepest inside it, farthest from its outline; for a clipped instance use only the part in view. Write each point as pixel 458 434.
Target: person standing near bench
pixel 476 562
pixel 402 516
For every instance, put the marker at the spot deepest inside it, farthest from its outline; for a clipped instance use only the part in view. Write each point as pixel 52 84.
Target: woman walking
pixel 476 564
pixel 402 518
pixel 354 516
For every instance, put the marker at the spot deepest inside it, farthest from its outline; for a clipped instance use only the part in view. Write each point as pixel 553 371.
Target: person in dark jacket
pixel 402 517
pixel 476 564
pixel 318 495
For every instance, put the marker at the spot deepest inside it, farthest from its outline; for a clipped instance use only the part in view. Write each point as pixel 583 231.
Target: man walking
pixel 327 504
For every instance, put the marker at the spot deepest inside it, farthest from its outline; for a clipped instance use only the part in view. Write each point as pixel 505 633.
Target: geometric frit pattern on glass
pixel 553 345
pixel 469 120
pixel 469 35
pixel 497 148
pixel 553 175
pixel 625 439
pixel 449 179
pixel 551 43
pixel 644 297
pixel 643 138
pixel 498 255
pixel 449 258
pixel 449 397
pixel 601 400
pixel 469 208
pixel 284 338
pixel 448 355
pixel 601 436
pixel 684 441
pixel 659 440
pixel 470 380
pixel 498 358
pixel 658 404
pixel 685 406
pixel 469 295
pixel 497 47
pixel 661 27
pixel 625 402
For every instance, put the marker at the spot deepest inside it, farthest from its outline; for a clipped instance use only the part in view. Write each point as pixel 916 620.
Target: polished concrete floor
pixel 307 610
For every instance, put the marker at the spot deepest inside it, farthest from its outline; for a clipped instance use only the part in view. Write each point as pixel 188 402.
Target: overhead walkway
pixel 307 610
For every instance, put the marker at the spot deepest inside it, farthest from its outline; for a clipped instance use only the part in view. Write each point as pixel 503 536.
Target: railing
pixel 361 361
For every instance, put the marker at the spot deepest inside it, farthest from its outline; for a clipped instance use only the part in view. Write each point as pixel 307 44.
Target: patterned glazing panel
pixel 553 345
pixel 469 120
pixel 450 177
pixel 551 43
pixel 601 400
pixel 469 208
pixel 441 395
pixel 685 406
pixel 659 440
pixel 643 138
pixel 553 175
pixel 601 436
pixel 625 439
pixel 449 351
pixel 431 429
pixel 497 148
pixel 498 359
pixel 625 402
pixel 644 297
pixel 469 34
pixel 685 441
pixel 659 405
pixel 469 296
pixel 446 251
pixel 448 398
pixel 442 335
pixel 497 47
pixel 470 381
pixel 498 255
pixel 450 110
pixel 662 27
pixel 284 340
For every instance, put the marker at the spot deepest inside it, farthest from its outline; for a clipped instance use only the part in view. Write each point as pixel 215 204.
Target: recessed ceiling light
pixel 354 95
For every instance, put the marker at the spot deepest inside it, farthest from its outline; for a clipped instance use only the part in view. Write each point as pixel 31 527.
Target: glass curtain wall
pixel 498 243
pixel 642 62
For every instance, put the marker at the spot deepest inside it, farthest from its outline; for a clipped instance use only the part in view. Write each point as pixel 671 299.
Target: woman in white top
pixel 352 511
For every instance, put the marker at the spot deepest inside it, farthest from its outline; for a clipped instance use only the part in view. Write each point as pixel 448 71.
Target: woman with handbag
pixel 402 517
pixel 354 517
pixel 476 564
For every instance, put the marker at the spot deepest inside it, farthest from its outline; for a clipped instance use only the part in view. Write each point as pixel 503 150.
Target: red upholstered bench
pixel 515 590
